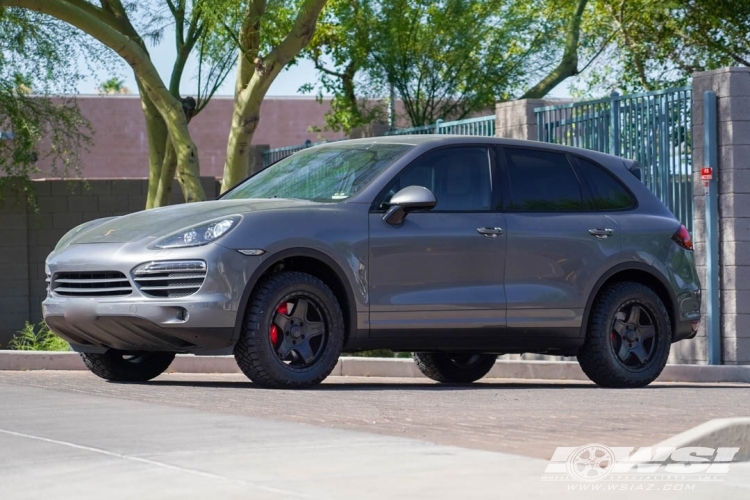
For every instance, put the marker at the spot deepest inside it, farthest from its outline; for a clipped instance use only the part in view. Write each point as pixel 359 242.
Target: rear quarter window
pixel 607 193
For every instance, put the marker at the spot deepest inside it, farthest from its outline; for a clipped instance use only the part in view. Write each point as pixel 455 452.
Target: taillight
pixel 682 238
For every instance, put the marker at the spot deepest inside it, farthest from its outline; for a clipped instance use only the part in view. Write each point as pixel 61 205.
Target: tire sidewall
pixel 332 317
pixel 599 344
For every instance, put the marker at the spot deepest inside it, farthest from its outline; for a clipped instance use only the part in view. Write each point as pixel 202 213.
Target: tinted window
pixel 458 177
pixel 606 191
pixel 542 181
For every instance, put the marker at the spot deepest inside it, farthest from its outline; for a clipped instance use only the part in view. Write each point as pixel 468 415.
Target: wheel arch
pixel 639 273
pixel 310 261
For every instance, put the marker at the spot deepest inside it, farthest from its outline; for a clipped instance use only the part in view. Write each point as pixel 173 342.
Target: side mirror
pixel 409 199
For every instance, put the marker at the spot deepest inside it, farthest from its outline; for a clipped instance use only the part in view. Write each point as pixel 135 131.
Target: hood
pixel 160 222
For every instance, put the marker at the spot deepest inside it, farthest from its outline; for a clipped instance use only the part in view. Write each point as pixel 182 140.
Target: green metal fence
pixel 483 125
pixel 276 154
pixel 653 128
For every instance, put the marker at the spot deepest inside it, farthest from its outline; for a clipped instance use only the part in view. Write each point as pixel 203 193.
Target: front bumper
pixel 200 323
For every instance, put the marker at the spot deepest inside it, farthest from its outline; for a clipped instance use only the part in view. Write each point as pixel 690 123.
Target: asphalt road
pixel 71 435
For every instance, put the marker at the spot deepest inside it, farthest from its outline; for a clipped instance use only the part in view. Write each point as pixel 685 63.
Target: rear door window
pixel 542 181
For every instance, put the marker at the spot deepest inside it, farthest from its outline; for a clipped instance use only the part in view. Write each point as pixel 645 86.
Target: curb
pixel 717 433
pixel 384 367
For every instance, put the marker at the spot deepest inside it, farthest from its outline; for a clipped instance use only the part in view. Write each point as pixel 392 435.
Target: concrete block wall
pixel 732 88
pixel 517 120
pixel 28 235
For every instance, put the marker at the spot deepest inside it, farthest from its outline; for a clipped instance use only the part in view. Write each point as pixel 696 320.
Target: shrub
pixel 41 339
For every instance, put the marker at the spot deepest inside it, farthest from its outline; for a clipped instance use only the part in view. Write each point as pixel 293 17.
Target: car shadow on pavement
pixel 377 385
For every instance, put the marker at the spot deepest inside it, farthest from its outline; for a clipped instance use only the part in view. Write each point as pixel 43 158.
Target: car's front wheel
pixel 119 366
pixel 293 332
pixel 628 338
pixel 454 368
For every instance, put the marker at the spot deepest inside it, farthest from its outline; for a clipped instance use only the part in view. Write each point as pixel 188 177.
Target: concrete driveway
pixel 71 435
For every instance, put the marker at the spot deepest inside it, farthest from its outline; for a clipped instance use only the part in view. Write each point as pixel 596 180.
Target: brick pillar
pixel 732 88
pixel 516 119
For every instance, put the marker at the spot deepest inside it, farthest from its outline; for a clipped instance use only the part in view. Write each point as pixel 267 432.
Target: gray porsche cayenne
pixel 456 249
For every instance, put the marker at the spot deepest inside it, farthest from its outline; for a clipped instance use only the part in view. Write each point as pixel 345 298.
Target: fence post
pixel 614 126
pixel 438 123
pixel 710 159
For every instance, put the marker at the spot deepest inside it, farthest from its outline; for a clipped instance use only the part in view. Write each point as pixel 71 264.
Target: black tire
pixel 610 355
pixel 283 365
pixel 118 366
pixel 454 368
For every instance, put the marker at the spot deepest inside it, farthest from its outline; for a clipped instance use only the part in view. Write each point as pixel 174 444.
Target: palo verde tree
pixel 262 35
pixel 38 64
pixel 109 23
pixel 268 36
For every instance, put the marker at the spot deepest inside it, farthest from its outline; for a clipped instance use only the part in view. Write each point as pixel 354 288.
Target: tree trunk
pixel 156 132
pixel 254 76
pixel 168 168
pixel 568 64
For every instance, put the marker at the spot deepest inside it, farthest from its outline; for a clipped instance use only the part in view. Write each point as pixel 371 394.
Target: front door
pixel 440 273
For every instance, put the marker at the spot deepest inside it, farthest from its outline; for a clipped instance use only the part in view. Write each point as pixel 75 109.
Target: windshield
pixel 327 174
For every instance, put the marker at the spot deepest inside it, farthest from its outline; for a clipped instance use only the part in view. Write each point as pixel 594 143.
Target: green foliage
pixel 643 45
pixel 39 338
pixel 113 85
pixel 446 59
pixel 38 64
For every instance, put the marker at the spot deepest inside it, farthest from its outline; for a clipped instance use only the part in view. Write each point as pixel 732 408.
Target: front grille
pixel 171 280
pixel 91 284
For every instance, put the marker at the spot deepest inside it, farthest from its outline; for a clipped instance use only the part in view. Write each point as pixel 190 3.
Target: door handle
pixel 602 233
pixel 490 232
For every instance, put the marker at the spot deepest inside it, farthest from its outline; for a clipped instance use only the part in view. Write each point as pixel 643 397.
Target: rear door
pixel 440 273
pixel 558 243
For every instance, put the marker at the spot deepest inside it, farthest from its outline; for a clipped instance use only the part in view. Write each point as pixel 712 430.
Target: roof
pixel 438 139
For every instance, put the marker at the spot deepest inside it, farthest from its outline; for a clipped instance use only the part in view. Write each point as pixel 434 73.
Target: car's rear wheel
pixel 293 332
pixel 628 338
pixel 120 366
pixel 454 368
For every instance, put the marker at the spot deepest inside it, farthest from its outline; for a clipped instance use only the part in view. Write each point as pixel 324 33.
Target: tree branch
pixel 568 64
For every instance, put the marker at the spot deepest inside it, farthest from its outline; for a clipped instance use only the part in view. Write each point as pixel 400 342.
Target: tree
pixel 113 85
pixel 643 45
pixel 37 65
pixel 266 35
pixel 446 59
pixel 269 36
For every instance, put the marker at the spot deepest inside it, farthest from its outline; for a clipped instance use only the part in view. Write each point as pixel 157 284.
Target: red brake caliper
pixel 275 331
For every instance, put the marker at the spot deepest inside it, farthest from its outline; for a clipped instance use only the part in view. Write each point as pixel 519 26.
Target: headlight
pixel 199 235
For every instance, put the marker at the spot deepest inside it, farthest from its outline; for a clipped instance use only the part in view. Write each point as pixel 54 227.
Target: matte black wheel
pixel 454 368
pixel 293 332
pixel 119 366
pixel 628 338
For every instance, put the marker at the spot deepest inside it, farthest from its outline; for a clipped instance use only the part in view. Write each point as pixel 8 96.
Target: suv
pixel 454 248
